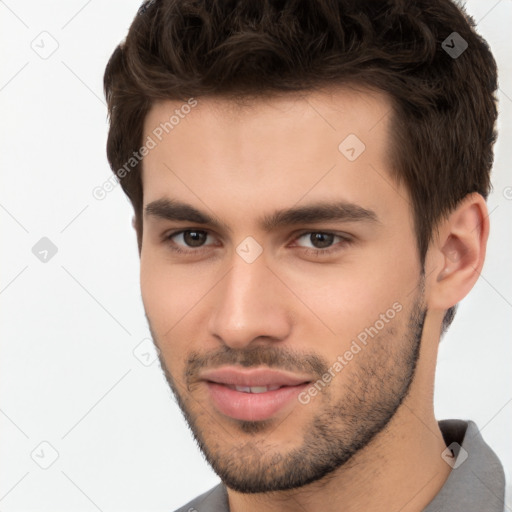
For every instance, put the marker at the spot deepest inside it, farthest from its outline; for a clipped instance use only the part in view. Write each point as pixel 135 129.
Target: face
pixel 281 280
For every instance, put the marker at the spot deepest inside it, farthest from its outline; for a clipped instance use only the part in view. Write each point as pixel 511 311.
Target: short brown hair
pixel 444 104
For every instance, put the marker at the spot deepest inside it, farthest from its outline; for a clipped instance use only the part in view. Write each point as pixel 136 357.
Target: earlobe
pixel 460 251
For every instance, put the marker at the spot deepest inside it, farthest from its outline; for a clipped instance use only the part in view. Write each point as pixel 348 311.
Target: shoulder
pixel 213 500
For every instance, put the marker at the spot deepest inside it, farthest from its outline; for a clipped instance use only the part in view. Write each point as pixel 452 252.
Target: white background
pixel 68 374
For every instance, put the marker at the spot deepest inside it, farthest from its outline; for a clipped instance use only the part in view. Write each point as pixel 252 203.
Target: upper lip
pixel 255 377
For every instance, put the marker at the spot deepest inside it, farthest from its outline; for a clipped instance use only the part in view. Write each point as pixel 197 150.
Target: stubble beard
pixel 342 427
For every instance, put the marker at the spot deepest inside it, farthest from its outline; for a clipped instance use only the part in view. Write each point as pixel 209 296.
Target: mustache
pixel 273 357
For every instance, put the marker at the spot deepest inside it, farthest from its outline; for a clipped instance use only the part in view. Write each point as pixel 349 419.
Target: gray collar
pixel 477 481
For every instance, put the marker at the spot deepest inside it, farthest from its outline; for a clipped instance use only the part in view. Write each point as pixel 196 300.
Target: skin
pixel 359 441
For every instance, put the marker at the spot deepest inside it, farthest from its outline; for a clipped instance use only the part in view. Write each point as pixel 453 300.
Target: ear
pixel 457 255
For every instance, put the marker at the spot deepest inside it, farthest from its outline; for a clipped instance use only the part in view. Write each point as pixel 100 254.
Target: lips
pixel 252 395
pixel 255 377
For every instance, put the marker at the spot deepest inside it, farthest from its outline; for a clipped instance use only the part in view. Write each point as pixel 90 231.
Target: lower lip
pixel 252 406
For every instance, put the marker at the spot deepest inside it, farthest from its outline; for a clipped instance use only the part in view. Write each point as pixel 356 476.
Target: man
pixel 309 181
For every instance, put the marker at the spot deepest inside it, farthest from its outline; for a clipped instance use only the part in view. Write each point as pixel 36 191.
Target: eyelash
pixel 345 240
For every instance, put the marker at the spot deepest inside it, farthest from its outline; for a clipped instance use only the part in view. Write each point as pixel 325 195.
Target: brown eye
pixel 322 243
pixel 321 240
pixel 187 240
pixel 194 238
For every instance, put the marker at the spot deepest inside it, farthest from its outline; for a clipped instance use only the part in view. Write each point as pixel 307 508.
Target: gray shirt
pixel 475 484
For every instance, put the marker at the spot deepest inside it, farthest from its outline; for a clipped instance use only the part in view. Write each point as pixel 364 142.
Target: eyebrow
pixel 174 210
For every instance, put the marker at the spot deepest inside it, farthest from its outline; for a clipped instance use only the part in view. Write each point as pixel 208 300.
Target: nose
pixel 251 304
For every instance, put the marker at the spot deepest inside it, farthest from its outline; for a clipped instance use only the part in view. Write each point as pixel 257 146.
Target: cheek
pixel 174 296
pixel 166 295
pixel 153 283
pixel 162 295
pixel 349 299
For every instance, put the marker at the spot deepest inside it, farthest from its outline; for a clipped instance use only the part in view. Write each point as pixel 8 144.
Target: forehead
pixel 336 107
pixel 327 144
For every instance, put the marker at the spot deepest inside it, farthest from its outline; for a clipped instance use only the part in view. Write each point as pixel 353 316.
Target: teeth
pixel 254 389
